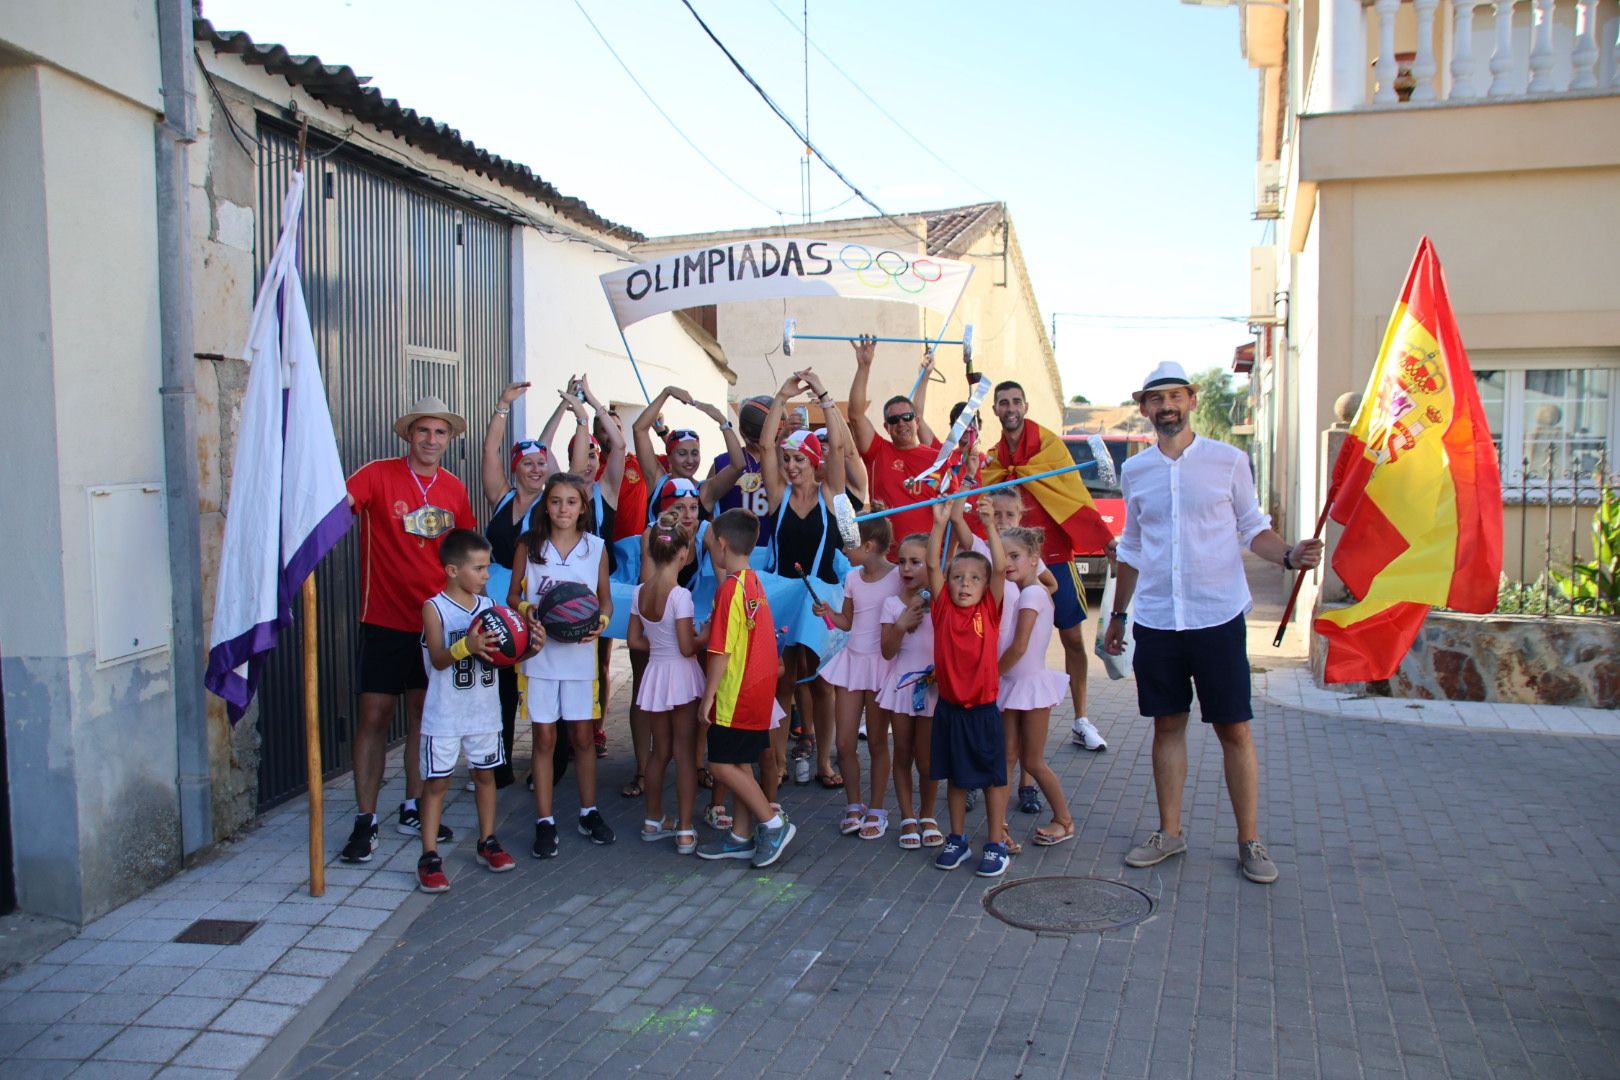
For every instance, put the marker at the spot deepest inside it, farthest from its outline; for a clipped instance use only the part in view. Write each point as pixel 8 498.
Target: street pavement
pixel 1447 908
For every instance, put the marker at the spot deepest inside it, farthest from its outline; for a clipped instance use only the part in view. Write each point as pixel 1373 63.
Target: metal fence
pixel 1548 510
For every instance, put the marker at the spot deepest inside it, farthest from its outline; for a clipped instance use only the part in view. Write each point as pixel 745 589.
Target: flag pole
pixel 1299 579
pixel 312 696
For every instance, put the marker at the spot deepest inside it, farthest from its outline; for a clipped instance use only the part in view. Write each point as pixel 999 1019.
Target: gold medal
pixel 750 482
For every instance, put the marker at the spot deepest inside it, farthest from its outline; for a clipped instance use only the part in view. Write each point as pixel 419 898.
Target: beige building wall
pixel 1009 337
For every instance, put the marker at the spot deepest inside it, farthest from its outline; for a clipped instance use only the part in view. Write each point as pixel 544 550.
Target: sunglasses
pixel 899 418
pixel 524 446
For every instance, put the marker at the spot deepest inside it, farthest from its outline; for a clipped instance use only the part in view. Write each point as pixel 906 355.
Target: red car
pixel 1110 503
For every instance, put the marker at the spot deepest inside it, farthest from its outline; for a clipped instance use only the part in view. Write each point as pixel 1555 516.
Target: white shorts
pixel 546 701
pixel 439 753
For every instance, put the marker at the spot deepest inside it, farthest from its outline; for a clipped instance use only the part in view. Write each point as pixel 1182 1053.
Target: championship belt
pixel 429 522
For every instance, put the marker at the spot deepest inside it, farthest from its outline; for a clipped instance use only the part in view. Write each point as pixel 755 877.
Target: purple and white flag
pixel 288 503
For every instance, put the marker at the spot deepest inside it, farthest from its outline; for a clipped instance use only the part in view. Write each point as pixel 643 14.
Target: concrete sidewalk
pixel 1445 910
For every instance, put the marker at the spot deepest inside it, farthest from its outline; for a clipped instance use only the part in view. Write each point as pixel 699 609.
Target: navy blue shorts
pixel 1069 602
pixel 1215 659
pixel 969 746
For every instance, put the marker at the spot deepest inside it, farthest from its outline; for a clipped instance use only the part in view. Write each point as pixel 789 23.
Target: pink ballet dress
pixel 916 654
pixel 1030 684
pixel 670 679
pixel 860 664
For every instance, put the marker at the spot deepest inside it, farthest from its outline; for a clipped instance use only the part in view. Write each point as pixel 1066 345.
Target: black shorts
pixel 1215 659
pixel 390 661
pixel 968 746
pixel 735 746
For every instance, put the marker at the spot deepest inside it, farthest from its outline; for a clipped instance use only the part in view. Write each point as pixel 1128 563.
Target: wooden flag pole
pixel 313 768
pixel 1299 578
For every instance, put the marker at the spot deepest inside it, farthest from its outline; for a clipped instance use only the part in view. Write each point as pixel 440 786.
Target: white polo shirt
pixel 1187 524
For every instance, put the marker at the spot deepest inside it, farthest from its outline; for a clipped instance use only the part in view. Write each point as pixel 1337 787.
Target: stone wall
pixel 1517 659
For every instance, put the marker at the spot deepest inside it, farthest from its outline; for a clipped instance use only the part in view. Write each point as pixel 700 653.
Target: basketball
pixel 569 612
pixel 506 634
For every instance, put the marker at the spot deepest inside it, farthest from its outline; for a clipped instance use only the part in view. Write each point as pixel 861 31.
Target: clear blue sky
pixel 1120 134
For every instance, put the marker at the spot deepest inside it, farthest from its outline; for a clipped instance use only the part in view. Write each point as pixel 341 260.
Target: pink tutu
pixel 856 670
pixel 1036 690
pixel 668 683
pixel 901 700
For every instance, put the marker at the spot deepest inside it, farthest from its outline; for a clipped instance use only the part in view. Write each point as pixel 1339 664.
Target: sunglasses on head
pixel 899 418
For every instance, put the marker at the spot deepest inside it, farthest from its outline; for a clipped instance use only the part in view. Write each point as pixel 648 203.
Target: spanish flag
pixel 1063 498
pixel 1416 488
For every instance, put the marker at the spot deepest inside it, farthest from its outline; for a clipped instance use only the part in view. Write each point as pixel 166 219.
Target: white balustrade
pixel 1583 61
pixel 1462 51
pixel 1385 68
pixel 1541 47
pixel 1424 67
pixel 1502 82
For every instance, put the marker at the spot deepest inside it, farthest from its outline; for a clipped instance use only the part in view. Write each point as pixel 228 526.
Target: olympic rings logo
pixel 889 267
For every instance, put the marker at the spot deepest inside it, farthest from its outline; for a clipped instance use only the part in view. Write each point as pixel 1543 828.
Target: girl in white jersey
pixel 559 681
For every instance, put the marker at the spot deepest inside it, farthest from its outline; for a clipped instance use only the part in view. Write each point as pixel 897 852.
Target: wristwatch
pixel 502 410
pixel 1286 564
pixel 725 425
pixel 1119 616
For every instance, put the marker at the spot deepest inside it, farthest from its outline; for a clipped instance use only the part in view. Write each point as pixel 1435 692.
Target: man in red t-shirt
pixel 909 449
pixel 405 505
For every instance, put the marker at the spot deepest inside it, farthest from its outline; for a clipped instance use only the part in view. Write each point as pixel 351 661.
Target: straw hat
pixel 1168 373
pixel 429 406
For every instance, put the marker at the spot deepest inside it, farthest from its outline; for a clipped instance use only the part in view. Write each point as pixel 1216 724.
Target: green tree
pixel 1217 397
pixel 1079 399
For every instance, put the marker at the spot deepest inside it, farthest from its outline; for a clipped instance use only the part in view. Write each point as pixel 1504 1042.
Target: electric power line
pixel 669 119
pixel 886 113
pixel 804 137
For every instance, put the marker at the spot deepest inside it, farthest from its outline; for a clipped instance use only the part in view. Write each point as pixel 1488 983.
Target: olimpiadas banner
pixel 772 268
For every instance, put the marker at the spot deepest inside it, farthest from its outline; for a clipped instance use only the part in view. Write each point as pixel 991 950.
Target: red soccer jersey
pixel 967 650
pixel 744 630
pixel 890 469
pixel 630 516
pixel 398 571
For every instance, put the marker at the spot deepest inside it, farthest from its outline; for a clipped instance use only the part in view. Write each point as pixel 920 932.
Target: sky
pixel 1120 134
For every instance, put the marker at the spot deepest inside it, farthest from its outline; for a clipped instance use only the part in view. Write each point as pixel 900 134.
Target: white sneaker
pixel 1087 736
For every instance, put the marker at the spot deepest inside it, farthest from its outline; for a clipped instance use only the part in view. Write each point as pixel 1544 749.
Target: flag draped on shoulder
pixel 1416 487
pixel 1064 498
pixel 288 502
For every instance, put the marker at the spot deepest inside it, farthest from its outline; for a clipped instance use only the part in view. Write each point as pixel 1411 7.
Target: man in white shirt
pixel 1190 510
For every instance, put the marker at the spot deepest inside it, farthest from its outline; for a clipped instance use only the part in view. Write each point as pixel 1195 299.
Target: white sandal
pixel 910 841
pixel 878 817
pixel 931 836
pixel 652 831
pixel 685 841
pixel 853 815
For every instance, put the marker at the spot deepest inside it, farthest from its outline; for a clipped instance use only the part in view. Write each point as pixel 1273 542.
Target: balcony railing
pixel 1427 51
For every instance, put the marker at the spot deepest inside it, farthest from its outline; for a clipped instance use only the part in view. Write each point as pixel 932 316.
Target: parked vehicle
pixel 1110 501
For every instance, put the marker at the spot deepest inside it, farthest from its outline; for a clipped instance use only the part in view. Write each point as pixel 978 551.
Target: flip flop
pixel 705 779
pixel 854 814
pixel 633 790
pixel 910 841
pixel 1043 838
pixel 830 781
pixel 931 836
pixel 875 819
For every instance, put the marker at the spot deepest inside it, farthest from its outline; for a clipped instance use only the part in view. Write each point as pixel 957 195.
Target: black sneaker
pixel 410 824
pixel 362 841
pixel 545 840
pixel 593 826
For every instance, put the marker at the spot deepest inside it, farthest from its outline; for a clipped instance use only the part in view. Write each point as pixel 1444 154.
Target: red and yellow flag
pixel 1416 487
pixel 1063 500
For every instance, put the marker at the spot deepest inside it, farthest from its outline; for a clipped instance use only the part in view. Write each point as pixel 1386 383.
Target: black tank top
pixel 797 538
pixel 502 532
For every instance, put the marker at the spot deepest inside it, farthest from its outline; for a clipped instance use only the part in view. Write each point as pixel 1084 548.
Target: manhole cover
pixel 216 932
pixel 1068 905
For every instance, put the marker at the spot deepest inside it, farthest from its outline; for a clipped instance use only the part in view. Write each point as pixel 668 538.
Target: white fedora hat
pixel 1168 373
pixel 429 406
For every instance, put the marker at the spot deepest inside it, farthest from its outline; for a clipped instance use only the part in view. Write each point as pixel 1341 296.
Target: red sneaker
pixel 430 874
pixel 601 744
pixel 492 855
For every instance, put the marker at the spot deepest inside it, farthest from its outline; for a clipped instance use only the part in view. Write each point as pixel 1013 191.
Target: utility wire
pixel 804 137
pixel 886 113
pixel 669 119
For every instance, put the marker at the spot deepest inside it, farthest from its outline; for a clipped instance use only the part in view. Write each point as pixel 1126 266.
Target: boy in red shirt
pixel 969 746
pixel 739 701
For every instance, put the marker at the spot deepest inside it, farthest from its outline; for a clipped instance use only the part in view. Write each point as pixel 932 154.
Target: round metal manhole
pixel 1068 905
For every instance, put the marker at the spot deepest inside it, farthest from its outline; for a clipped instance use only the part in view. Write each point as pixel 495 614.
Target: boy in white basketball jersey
pixel 462 714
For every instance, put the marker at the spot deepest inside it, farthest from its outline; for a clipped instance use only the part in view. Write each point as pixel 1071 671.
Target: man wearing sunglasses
pixel 908 448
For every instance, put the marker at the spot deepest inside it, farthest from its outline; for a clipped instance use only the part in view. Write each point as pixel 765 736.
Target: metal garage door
pixel 410 294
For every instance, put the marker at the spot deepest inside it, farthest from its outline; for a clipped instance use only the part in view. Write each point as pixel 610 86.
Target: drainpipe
pixel 176 131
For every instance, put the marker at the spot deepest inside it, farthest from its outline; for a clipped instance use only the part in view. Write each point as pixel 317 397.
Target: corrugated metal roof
pixel 338 86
